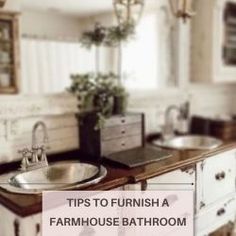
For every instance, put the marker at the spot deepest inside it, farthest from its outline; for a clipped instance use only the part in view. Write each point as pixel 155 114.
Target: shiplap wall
pixel 207 100
pixel 18 114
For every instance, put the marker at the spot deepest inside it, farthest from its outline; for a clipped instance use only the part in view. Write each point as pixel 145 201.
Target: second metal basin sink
pixel 189 142
pixel 58 176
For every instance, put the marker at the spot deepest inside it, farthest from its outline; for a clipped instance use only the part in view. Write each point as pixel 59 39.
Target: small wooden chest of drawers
pixel 119 133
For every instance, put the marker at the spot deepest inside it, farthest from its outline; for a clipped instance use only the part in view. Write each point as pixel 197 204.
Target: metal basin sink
pixel 58 176
pixel 189 142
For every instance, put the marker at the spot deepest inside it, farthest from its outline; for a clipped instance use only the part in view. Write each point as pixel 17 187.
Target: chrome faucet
pixel 34 131
pixel 36 157
pixel 183 115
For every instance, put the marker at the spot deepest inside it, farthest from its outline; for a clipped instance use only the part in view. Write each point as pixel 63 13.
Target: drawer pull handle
pixel 221 212
pixel 220 176
pixel 144 185
pixel 123 121
pixel 123 131
pixel 122 144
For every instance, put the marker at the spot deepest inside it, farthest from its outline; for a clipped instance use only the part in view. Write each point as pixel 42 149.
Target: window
pixel 146 60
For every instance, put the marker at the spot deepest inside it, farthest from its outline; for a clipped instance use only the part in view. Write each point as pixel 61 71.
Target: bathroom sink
pixel 57 176
pixel 189 142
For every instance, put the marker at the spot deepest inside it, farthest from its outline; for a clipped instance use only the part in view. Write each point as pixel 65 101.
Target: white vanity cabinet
pixel 210 42
pixel 214 181
pixel 216 192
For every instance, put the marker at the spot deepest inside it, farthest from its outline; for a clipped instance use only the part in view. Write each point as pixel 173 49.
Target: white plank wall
pixel 213 100
pixel 62 133
pixel 18 114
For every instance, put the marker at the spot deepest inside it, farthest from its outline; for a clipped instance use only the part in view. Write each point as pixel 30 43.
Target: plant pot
pixel 105 104
pixel 86 102
pixel 120 105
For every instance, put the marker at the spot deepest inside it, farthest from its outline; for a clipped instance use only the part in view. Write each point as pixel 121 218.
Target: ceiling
pixel 73 7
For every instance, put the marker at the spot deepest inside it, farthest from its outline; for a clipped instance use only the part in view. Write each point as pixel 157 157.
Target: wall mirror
pixel 50 33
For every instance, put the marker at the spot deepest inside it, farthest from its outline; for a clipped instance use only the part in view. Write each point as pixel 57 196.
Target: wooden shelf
pixel 3 65
pixel 10 90
pixel 10 40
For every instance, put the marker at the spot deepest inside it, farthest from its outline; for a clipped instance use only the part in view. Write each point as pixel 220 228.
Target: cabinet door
pixel 216 216
pixel 7 226
pixel 215 178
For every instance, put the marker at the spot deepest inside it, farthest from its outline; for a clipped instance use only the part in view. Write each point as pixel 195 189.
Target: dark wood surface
pixel 25 205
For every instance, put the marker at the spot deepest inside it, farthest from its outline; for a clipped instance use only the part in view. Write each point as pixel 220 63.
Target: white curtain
pixel 46 65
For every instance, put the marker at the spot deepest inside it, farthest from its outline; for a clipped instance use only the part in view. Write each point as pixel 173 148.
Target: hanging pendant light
pixel 128 11
pixel 2 3
pixel 182 9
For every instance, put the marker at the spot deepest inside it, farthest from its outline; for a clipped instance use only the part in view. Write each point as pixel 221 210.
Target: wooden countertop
pixel 26 205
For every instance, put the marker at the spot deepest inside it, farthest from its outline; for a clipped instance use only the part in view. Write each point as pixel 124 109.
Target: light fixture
pixel 182 9
pixel 128 11
pixel 2 3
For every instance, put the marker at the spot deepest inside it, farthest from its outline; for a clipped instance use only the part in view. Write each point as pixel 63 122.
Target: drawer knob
pixel 221 212
pixel 123 144
pixel 220 175
pixel 122 120
pixel 123 131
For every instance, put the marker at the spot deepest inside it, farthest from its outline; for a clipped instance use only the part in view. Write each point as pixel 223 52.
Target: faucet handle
pixel 43 156
pixel 24 152
pixel 184 110
pixel 25 158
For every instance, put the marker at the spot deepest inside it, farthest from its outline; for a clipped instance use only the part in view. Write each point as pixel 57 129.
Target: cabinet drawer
pixel 121 144
pixel 121 131
pixel 123 120
pixel 216 178
pixel 178 179
pixel 216 216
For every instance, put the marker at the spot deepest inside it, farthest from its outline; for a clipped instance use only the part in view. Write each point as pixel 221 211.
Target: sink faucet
pixel 36 157
pixel 183 115
pixel 34 131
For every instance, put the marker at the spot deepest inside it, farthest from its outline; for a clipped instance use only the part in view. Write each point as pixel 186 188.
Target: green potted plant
pixel 104 99
pixel 100 93
pixel 84 87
